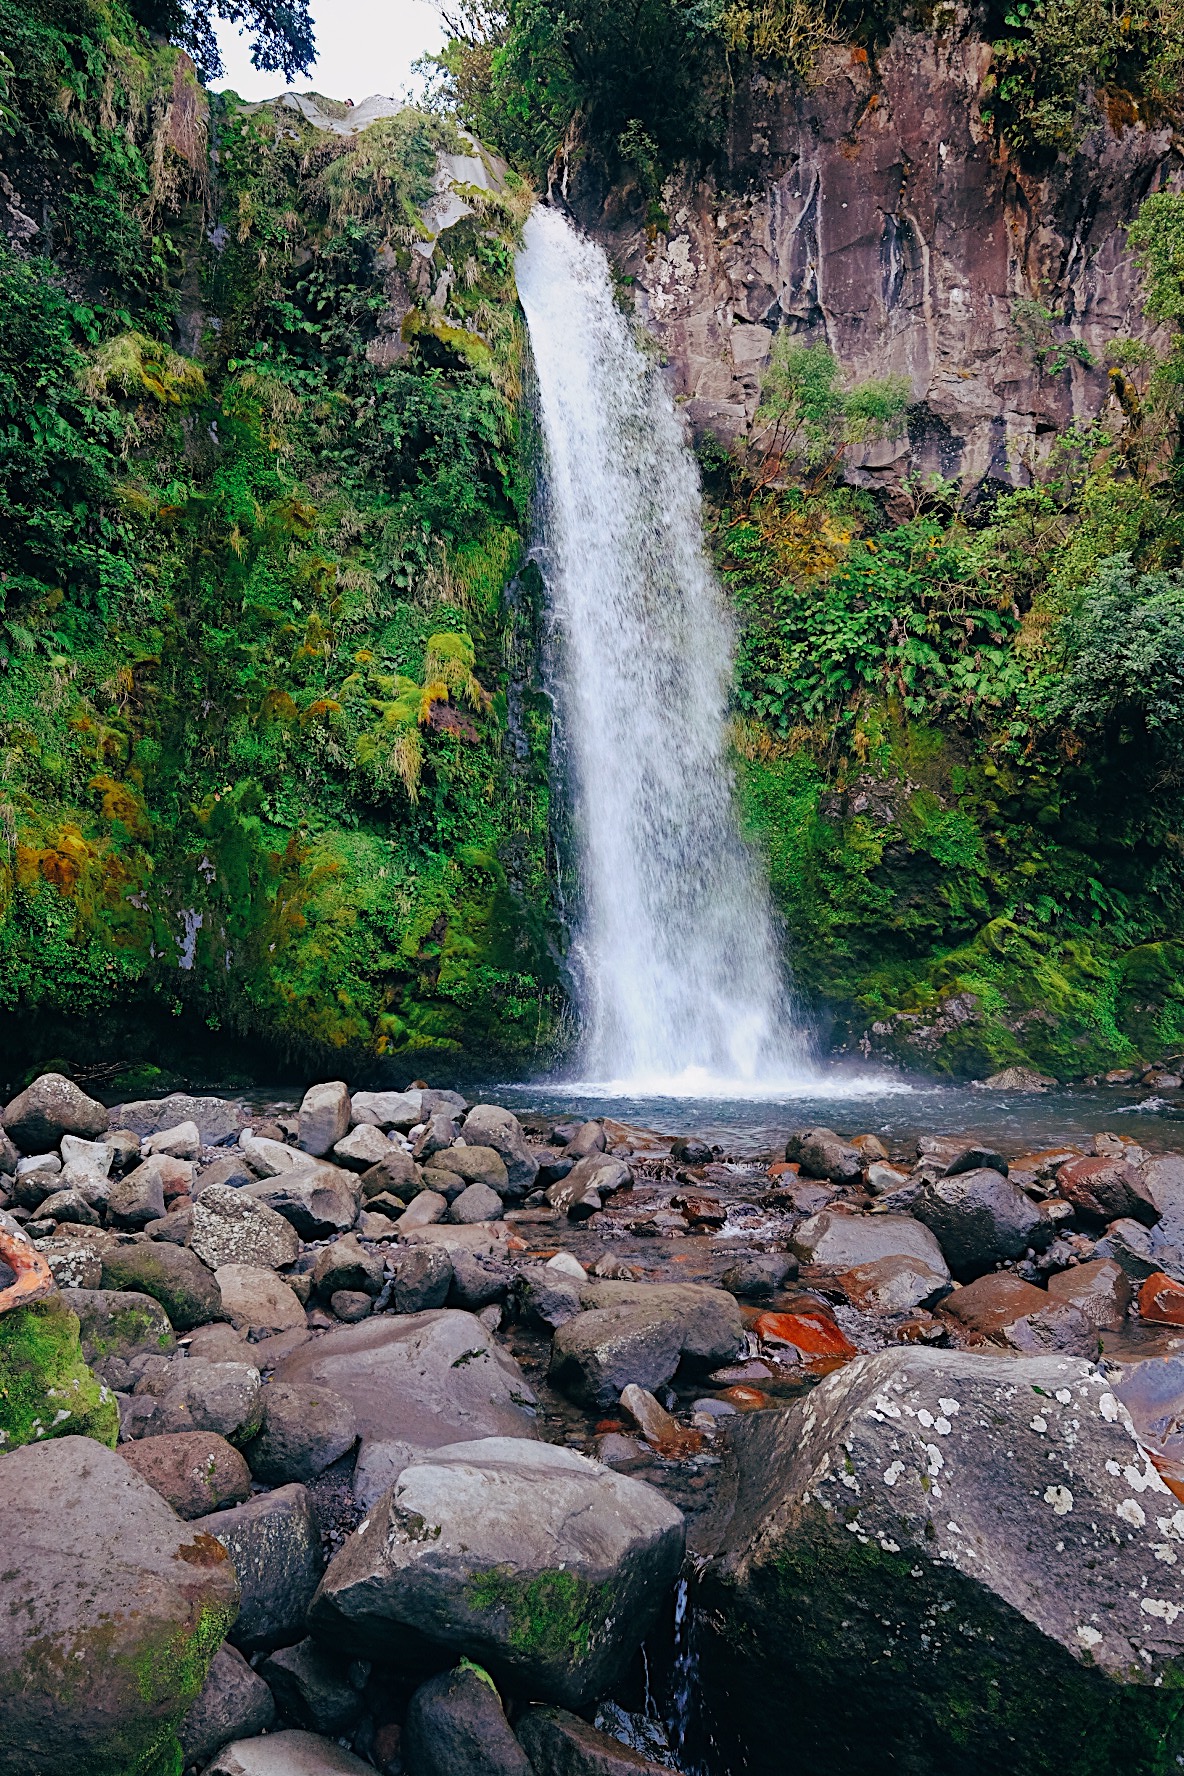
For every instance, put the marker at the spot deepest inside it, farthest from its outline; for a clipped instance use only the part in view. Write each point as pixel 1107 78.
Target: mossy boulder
pixel 120 1323
pixel 111 1609
pixel 951 1565
pixel 46 1389
pixel 171 1275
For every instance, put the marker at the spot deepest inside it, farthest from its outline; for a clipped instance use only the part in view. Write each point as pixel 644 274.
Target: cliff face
pixel 876 213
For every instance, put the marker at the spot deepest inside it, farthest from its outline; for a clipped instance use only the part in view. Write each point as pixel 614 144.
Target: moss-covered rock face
pixel 46 1389
pixel 275 756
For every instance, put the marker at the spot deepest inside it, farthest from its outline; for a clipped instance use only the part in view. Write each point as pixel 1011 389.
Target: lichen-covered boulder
pixel 543 1565
pixel 120 1323
pixel 111 1609
pixel 945 1562
pixel 276 1549
pixel 46 1389
pixel 51 1107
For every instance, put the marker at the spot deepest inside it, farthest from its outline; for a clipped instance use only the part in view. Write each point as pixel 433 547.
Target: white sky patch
pixel 363 47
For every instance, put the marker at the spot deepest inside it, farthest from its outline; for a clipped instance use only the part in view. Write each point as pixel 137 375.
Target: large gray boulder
pixel 981 1219
pixel 542 1565
pixel 276 1549
pixel 287 1754
pixel 823 1154
pixel 53 1106
pixel 217 1119
pixel 476 1165
pixel 231 1227
pixel 642 1332
pixel 456 1727
pixel 845 1241
pixel 425 1379
pixel 319 1200
pixel 234 1704
pixel 488 1125
pixel 257 1301
pixel 305 1430
pixel 203 1396
pixel 387 1110
pixel 324 1117
pixel 111 1609
pixel 137 1198
pixel 943 1562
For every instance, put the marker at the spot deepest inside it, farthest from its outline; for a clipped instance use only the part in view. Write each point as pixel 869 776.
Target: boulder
pixel 590 1137
pixel 478 1278
pixel 257 1301
pixel 344 1264
pixel 1103 1190
pixel 232 1227
pixel 119 1323
pixel 944 1560
pixel 427 1378
pixel 276 1549
pixel 437 1134
pixel 1023 1079
pixel 395 1175
pixel 561 1744
pixel 430 1102
pixel 324 1117
pixel 456 1727
pixel 46 1388
pixel 37 1176
pixel 111 1609
pixel 823 1154
pixel 1004 1308
pixel 548 1297
pixel 91 1156
pixel 68 1206
pixel 169 1274
pixel 425 1211
pixel 1163 1180
pixel 234 1702
pixel 641 1332
pixel 196 1471
pixel 362 1148
pixel 268 1157
pixel 217 1119
pixel 231 1169
pixel 488 1125
pixel 543 1565
pixel 287 1754
pixel 203 1396
pixel 137 1198
pixel 974 1159
pixel 387 1110
pixel 893 1285
pixel 757 1276
pixel 844 1241
pixel 1101 1290
pixel 182 1141
pixel 1131 1245
pixel 75 1256
pixel 304 1430
pixel 319 1200
pixel 475 1203
pixel 476 1165
pixel 422 1275
pixel 981 1219
pixel 53 1106
pixel 312 1687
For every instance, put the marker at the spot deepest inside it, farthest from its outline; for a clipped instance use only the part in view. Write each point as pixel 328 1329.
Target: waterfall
pixel 678 972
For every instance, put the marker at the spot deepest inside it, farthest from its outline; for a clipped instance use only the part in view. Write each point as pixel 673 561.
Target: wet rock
pixel 1161 1300
pixel 616 1450
pixel 351 1305
pixel 257 1301
pixel 347 1265
pixel 1024 1079
pixel 319 1200
pixel 893 1285
pixel 870 1148
pixel 546 1567
pixel 119 1323
pixel 233 1704
pixel 688 1150
pixel 883 1178
pixel 911 1511
pixel 437 1134
pixel 1101 1290
pixel 364 1147
pixel 478 1278
pixel 138 1198
pixel 387 1110
pixel 273 1541
pixel 756 1278
pixel 477 1202
pixel 422 1275
pixel 1130 1244
pixel 196 1471
pixel 394 1175
pixel 232 1227
pixel 641 1333
pixel 312 1687
pixel 848 1240
pixel 425 1378
pixel 428 1208
pixel 171 1275
pixel 53 1106
pixel 222 1397
pixel 562 1744
pixel 577 1195
pixel 456 1727
pixel 813 1333
pixel 324 1117
pixel 1163 1180
pixel 660 1430
pixel 589 1137
pixel 110 1610
pixel 1104 1190
pixel 974 1159
pixel 488 1125
pixel 304 1430
pixel 823 1154
pixel 1006 1309
pixel 217 1119
pixel 292 1753
pixel 548 1297
pixel 980 1220
pixel 182 1141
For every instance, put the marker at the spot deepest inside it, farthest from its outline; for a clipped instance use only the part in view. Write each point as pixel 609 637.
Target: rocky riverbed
pixel 403 1433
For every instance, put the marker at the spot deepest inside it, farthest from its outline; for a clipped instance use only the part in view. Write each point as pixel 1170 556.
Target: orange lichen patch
pixel 814 1334
pixel 119 802
pixel 32 1277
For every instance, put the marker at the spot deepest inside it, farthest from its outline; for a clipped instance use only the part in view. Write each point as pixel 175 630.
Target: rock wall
pixel 876 212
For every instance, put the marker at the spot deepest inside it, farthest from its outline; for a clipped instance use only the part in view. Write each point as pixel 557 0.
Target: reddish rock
pixel 701 1211
pixel 1101 1290
pixel 1162 1300
pixel 891 1285
pixel 745 1399
pixel 196 1471
pixel 662 1432
pixel 814 1334
pixel 993 1303
pixel 1106 1190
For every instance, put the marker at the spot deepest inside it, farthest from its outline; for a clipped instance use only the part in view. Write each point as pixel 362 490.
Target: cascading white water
pixel 678 970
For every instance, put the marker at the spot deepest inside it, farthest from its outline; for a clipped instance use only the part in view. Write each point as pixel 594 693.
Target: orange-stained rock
pixel 814 1334
pixel 745 1399
pixel 780 1167
pixel 1162 1300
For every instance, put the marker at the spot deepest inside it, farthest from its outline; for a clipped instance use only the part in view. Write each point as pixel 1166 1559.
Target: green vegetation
pixel 274 761
pixel 555 1616
pixel 46 1389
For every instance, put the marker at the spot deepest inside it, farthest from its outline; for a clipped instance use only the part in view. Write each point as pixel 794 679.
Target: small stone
pixel 882 1177
pixel 92 1156
pixel 475 1203
pixel 231 1170
pixel 973 1159
pixel 478 1280
pixel 892 1285
pixel 290 1753
pixel 688 1150
pixel 387 1110
pixel 318 1199
pixel 351 1305
pixel 814 1334
pixel 69 1206
pixel 823 1154
pixel 759 1277
pixel 660 1430
pixel 1023 1079
pixel 269 1158
pixel 616 1450
pixel 488 1125
pixel 376 1227
pixel 1103 1190
pixel 395 1175
pixel 438 1133
pixel 196 1471
pixel 363 1148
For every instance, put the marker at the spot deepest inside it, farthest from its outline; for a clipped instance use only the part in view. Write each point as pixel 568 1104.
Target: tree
pixel 810 418
pixel 1123 654
pixel 281 31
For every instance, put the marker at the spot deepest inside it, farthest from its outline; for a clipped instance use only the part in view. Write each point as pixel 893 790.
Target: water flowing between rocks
pixel 675 955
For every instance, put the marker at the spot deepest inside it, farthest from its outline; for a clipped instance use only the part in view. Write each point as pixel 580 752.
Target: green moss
pixel 555 1617
pixel 46 1389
